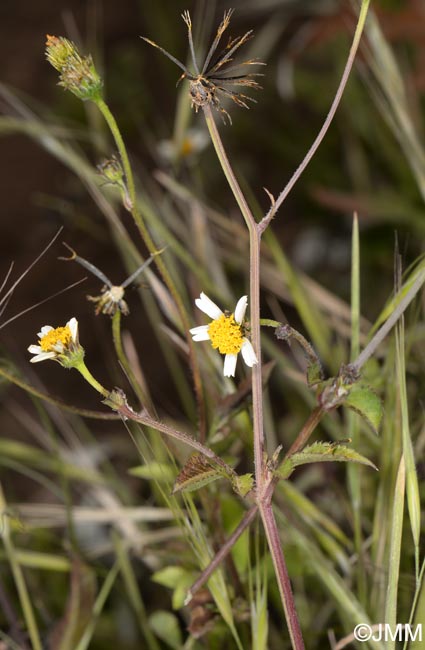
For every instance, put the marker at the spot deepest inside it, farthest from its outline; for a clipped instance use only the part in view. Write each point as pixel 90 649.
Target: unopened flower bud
pixel 111 170
pixel 76 73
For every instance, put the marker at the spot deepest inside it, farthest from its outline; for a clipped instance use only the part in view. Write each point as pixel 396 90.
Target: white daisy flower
pixel 60 344
pixel 226 333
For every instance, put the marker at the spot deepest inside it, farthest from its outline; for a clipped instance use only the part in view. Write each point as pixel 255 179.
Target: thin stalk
pixel 144 399
pixel 85 372
pixel 328 121
pixel 19 580
pixel 254 246
pixel 150 244
pixel 305 433
pixel 87 413
pixel 275 546
pixel 261 473
pixel 223 552
pixel 389 323
pixel 143 418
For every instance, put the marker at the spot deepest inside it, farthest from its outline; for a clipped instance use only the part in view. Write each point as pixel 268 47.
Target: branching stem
pixel 150 244
pixel 261 474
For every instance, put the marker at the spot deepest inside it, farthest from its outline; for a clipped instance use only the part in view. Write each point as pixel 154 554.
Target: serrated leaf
pixel 243 484
pixel 197 473
pixel 321 452
pixel 314 373
pixel 364 401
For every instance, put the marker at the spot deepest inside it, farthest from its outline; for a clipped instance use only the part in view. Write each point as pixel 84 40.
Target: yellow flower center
pixel 187 147
pixel 226 335
pixel 60 335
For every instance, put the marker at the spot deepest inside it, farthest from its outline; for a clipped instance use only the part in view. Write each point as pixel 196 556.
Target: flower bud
pixel 76 73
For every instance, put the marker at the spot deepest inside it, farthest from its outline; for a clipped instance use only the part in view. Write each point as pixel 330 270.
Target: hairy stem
pixel 143 418
pixel 254 241
pixel 261 473
pixel 225 549
pixel 275 546
pixel 150 244
pixel 348 66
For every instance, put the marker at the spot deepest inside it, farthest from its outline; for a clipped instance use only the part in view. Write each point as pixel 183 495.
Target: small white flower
pixel 226 333
pixel 193 142
pixel 60 344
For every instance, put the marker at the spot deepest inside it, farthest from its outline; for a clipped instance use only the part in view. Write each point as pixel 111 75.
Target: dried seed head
pixel 207 85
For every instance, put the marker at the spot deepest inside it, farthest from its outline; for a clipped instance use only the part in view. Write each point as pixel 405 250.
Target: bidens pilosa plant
pixel 210 85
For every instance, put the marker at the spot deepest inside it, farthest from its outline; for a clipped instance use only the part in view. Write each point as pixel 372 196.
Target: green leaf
pixel 314 373
pixel 321 452
pixel 195 474
pixel 364 401
pixel 243 484
pixel 177 579
pixel 167 628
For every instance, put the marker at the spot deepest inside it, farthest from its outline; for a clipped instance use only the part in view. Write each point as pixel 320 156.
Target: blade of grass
pixel 354 471
pixel 412 485
pixel 99 604
pixel 134 594
pixel 18 576
pixel 395 551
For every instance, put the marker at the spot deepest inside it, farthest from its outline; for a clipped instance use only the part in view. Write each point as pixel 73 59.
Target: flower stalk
pixel 262 479
pixel 144 232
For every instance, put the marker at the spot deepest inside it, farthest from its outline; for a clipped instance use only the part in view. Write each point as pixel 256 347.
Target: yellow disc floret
pixel 57 339
pixel 226 335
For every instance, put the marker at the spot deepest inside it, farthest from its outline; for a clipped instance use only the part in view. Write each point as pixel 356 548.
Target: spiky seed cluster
pixel 76 73
pixel 208 84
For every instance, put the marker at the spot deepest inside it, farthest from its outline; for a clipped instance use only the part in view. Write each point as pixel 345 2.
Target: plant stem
pixel 338 95
pixel 144 399
pixel 305 433
pixel 261 473
pixel 143 418
pixel 18 576
pixel 86 413
pixel 254 246
pixel 275 546
pixel 85 372
pixel 224 550
pixel 150 244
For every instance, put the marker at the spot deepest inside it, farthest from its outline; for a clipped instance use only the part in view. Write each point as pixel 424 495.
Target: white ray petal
pixel 248 353
pixel 43 356
pixel 73 326
pixel 35 349
pixel 230 365
pixel 241 309
pixel 44 330
pixel 209 307
pixel 200 333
